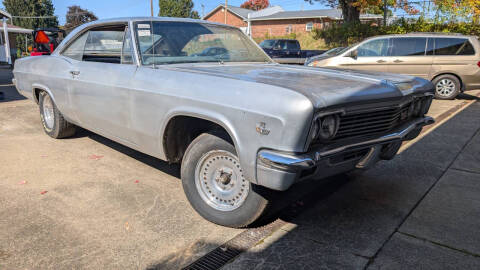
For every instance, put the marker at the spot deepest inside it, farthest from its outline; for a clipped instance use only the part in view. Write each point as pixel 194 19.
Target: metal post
pixel 226 10
pixel 151 7
pixel 249 27
pixel 385 12
pixel 203 11
pixel 7 42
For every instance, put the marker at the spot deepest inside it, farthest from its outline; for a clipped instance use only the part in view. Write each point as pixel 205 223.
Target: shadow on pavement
pixel 465 96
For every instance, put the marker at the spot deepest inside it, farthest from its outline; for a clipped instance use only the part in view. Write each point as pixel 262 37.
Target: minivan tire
pixel 447 87
pixel 54 124
pixel 205 159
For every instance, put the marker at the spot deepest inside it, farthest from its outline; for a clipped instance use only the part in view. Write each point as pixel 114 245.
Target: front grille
pixel 372 122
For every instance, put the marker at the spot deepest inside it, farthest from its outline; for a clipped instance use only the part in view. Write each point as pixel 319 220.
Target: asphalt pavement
pixel 89 203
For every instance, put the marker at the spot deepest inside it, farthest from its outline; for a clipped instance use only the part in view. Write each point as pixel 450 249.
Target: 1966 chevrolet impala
pixel 206 96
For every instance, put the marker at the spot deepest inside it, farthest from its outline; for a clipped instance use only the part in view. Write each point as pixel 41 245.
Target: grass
pixel 307 42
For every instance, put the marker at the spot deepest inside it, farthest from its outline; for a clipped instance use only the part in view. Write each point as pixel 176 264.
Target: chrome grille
pixel 373 122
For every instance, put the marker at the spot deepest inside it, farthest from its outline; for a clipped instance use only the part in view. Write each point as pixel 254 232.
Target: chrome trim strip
pixel 284 161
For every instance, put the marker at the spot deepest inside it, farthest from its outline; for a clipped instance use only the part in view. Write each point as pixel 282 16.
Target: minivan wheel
pixel 52 120
pixel 215 186
pixel 446 87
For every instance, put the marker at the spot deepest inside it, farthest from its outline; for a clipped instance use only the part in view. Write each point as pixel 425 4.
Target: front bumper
pixel 279 170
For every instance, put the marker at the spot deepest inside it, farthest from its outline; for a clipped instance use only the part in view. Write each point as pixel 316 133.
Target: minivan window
pixel 408 46
pixel 376 47
pixel 453 46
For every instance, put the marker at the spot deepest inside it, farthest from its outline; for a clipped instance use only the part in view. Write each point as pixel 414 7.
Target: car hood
pixel 324 87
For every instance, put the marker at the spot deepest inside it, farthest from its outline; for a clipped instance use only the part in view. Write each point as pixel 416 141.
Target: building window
pixel 309 26
pixel 289 29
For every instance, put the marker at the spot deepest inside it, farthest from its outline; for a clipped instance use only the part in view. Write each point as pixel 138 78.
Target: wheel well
pixel 36 94
pixel 182 130
pixel 452 74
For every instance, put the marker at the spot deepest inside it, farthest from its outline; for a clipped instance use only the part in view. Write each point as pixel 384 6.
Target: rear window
pixel 453 46
pixel 408 46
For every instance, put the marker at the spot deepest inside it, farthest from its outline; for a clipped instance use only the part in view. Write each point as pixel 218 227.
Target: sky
pixel 126 8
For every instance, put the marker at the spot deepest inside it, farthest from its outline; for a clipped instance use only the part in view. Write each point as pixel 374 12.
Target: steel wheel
pixel 48 113
pixel 220 182
pixel 445 87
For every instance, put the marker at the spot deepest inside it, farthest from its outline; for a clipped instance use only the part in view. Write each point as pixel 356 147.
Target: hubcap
pixel 48 115
pixel 220 182
pixel 445 87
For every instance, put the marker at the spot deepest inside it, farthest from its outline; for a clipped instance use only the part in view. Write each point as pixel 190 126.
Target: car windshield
pixel 162 43
pixel 267 44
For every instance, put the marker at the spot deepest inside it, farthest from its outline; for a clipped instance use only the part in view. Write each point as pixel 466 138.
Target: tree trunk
pixel 350 13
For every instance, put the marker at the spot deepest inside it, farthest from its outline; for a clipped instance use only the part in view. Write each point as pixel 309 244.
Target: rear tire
pixel 446 87
pixel 214 184
pixel 52 120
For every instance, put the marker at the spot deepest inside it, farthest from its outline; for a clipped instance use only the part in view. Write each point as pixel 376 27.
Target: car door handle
pixel 75 72
pixel 398 61
pixel 381 61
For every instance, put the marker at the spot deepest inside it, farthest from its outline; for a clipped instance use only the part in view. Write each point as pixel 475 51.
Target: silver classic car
pixel 238 123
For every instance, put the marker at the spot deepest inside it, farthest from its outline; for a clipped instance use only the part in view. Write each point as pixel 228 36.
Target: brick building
pixel 274 21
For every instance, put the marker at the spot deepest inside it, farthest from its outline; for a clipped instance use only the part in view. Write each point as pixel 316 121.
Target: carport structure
pixel 6 29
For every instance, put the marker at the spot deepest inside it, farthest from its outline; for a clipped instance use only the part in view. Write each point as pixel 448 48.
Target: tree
pixel 351 9
pixel 177 8
pixel 468 9
pixel 255 4
pixel 31 8
pixel 77 16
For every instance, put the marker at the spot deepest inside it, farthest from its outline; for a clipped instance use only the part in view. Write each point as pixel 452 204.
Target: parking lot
pixel 88 202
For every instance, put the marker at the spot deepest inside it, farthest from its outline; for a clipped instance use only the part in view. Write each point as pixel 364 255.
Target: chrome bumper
pixel 296 162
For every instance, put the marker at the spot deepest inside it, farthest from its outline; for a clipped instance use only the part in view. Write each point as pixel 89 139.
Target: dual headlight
pixel 325 128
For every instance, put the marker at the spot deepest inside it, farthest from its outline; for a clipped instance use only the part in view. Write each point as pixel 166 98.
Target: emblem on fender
pixel 261 128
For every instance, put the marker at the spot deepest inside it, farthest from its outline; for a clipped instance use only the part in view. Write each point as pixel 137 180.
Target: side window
pixel 377 47
pixel 408 46
pixel 453 46
pixel 75 49
pixel 282 45
pixel 104 45
pixel 292 45
pixel 127 50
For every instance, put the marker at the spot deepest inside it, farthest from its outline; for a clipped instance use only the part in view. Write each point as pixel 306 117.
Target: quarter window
pixel 75 49
pixel 453 46
pixel 408 46
pixel 376 47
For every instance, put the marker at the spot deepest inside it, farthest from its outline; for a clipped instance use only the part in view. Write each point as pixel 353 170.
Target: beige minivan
pixel 450 61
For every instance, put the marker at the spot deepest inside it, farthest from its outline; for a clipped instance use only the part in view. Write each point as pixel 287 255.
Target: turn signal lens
pixel 478 64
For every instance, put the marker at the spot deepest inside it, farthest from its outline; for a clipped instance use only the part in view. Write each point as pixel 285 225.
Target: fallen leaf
pixel 95 157
pixel 43 192
pixel 126 226
pixel 43 156
pixel 22 182
pixel 224 249
pixel 137 181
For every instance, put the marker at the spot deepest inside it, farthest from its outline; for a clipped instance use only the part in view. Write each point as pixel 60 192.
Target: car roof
pixel 426 34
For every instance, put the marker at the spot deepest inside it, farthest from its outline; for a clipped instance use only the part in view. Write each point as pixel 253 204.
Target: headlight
pixel 328 127
pixel 403 86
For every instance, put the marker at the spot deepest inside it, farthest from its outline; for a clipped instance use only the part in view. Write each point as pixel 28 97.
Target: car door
pixel 293 49
pixel 408 56
pixel 99 90
pixel 369 55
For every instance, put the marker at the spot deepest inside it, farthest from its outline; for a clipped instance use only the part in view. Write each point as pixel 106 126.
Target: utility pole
pixel 151 7
pixel 226 10
pixel 203 11
pixel 385 12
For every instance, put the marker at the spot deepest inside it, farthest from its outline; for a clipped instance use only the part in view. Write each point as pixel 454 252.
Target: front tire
pixel 52 120
pixel 214 184
pixel 446 87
